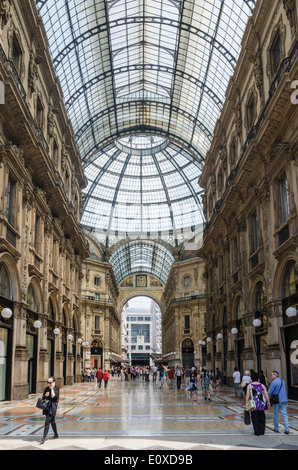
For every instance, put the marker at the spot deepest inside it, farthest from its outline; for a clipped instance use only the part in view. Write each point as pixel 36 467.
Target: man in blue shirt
pixel 278 387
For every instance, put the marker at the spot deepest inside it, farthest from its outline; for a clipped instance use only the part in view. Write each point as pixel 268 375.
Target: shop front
pixel 6 329
pixel 31 346
pixel 290 328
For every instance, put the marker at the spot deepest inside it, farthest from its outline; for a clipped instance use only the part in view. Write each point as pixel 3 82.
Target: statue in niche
pixel 290 7
pixel 4 12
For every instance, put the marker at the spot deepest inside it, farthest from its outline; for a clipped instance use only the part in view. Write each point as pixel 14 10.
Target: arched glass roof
pixel 155 66
pixel 143 256
pixel 135 70
pixel 143 185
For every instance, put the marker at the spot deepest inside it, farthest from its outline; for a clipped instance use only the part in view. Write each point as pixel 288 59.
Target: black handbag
pixel 247 418
pixel 274 400
pixel 43 404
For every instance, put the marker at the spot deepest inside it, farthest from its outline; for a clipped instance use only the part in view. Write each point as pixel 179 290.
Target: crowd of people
pixel 253 386
pixel 250 386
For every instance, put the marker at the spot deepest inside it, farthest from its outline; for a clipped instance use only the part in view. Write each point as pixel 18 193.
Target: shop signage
pixel 294 354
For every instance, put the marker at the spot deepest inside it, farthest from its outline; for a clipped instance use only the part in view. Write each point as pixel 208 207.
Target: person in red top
pixel 106 378
pixel 99 376
pixel 171 376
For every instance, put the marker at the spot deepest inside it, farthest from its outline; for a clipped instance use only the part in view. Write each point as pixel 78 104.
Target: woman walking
pixel 206 381
pixel 51 392
pixel 258 393
pixel 193 386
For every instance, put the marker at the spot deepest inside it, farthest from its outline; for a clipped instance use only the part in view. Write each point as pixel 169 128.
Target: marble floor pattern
pixel 138 415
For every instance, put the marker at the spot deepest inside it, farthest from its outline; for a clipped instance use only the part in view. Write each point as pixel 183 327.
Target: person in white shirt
pixel 154 373
pixel 237 380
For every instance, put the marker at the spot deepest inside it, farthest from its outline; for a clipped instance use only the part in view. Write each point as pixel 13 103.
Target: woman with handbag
pixel 51 393
pixel 257 393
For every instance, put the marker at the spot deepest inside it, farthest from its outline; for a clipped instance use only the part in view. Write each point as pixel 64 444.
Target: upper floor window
pixel 284 199
pixel 276 53
pixel 16 54
pixel 250 111
pixel 254 233
pixel 11 200
pixel 235 254
pixel 233 152
pixel 4 282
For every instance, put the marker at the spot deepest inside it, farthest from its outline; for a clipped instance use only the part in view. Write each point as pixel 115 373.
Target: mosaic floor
pixel 137 414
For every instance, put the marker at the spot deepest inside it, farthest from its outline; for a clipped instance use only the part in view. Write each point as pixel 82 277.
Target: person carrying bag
pixel 51 395
pixel 257 401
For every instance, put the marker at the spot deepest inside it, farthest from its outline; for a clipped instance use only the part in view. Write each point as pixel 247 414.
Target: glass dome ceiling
pixel 135 70
pixel 143 185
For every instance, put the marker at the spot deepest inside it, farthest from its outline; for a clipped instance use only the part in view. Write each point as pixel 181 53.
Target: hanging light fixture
pixel 291 312
pixel 234 331
pixel 6 313
pixel 37 324
pixel 219 336
pixel 56 331
pixel 70 337
pixel 209 339
pixel 80 340
pixel 257 323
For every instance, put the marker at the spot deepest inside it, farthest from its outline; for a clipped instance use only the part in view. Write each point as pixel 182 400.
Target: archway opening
pixel 141 331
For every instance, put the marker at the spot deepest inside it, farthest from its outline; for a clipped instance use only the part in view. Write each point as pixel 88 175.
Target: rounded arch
pixel 11 267
pixel 290 257
pixel 66 317
pixel 141 293
pixel 52 308
pixel 34 284
pixel 252 291
pixel 237 306
pixel 76 321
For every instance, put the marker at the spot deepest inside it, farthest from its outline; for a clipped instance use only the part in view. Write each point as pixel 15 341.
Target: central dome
pixel 143 186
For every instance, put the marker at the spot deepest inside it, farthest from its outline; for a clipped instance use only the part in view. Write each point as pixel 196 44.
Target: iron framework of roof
pixel 144 68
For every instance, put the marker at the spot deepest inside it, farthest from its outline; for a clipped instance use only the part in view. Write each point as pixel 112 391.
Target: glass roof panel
pixel 145 256
pixel 160 66
pixel 150 185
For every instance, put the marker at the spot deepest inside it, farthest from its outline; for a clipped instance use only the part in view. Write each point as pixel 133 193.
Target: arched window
pixel 5 290
pixel 31 299
pixel 240 309
pixel 290 286
pixel 51 310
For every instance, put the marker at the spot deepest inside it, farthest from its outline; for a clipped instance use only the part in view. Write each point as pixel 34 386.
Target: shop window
pixel 5 290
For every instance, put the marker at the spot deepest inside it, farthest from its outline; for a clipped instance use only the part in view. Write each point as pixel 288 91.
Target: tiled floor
pixel 139 415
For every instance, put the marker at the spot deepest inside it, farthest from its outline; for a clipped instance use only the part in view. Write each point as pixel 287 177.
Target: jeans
pixel 283 409
pixel 236 389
